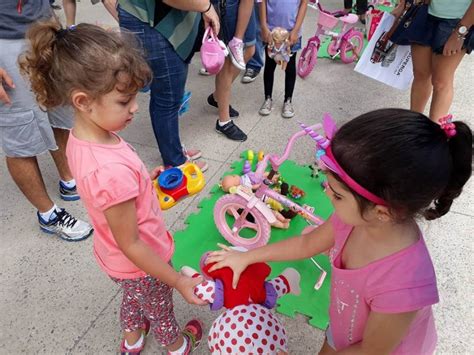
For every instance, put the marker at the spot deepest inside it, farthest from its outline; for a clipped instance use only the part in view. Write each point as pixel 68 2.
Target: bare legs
pixel 433 74
pixel 224 81
pixel 70 11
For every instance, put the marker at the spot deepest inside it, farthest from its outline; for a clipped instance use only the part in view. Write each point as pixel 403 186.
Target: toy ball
pixel 247 329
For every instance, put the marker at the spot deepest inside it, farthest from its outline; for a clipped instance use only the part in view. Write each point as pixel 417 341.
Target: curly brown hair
pixel 86 58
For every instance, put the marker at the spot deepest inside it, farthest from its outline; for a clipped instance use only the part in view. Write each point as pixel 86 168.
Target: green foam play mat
pixel 201 235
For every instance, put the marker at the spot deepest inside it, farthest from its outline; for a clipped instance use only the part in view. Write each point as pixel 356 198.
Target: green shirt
pixel 180 28
pixel 449 9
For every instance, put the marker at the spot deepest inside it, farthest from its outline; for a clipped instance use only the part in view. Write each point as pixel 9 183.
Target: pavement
pixel 53 297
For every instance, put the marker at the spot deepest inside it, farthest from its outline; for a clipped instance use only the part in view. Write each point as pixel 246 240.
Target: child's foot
pixel 287 111
pixel 249 76
pixel 232 112
pixel 236 50
pixel 266 108
pixel 138 345
pixel 204 72
pixel 231 131
pixel 193 334
pixel 293 277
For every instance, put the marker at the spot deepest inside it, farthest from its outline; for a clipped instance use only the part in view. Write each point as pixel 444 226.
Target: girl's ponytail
pixel 37 62
pixel 460 147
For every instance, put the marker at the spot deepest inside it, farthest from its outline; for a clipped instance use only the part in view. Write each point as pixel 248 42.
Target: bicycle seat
pixel 349 18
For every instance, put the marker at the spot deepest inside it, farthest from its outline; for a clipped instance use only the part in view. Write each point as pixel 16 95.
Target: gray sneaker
pixel 65 226
pixel 287 111
pixel 266 108
pixel 249 76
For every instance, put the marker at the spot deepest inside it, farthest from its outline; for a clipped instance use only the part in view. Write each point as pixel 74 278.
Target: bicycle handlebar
pixel 275 160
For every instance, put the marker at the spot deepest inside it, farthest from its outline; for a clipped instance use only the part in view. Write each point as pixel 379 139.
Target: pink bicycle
pixel 243 218
pixel 348 43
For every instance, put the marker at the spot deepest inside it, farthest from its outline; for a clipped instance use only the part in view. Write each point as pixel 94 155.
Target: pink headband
pixel 331 163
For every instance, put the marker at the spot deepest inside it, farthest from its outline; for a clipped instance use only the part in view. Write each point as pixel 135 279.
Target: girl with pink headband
pixel 384 169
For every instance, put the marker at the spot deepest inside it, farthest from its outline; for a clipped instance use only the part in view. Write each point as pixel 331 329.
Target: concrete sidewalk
pixel 55 300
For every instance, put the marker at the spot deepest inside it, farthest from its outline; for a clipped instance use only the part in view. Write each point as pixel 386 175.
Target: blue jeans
pixel 256 62
pixel 167 88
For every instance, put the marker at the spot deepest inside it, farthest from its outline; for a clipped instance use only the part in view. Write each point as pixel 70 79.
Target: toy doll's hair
pixel 406 159
pixel 85 57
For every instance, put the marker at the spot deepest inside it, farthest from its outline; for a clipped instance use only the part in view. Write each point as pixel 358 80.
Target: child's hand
pixel 266 35
pixel 228 257
pixel 185 285
pixel 293 37
pixel 156 172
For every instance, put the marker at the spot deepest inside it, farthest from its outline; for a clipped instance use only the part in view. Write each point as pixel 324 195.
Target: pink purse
pixel 213 52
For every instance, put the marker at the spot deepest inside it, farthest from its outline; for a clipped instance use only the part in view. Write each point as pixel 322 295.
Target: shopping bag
pixel 392 66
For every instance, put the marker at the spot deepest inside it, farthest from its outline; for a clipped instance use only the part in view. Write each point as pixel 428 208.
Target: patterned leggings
pixel 151 299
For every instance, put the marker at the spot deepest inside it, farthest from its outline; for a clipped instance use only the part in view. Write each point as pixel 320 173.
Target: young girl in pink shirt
pixel 384 169
pixel 99 73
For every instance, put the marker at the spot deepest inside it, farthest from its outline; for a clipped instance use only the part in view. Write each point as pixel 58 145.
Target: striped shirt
pixel 180 28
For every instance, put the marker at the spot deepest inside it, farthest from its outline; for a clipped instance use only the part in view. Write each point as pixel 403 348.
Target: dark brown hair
pixel 85 57
pixel 406 159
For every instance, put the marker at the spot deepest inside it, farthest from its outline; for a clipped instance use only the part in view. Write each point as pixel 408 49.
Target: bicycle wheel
pixel 352 46
pixel 247 229
pixel 308 59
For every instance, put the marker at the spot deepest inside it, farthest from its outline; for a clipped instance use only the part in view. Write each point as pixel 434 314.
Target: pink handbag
pixel 213 52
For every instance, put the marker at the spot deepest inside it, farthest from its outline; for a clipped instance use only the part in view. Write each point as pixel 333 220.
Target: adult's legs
pixel 422 70
pixel 167 88
pixel 27 176
pixel 70 11
pixel 256 62
pixel 59 155
pixel 442 79
pixel 245 12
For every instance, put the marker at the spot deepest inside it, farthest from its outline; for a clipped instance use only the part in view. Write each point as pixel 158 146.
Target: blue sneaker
pixel 68 194
pixel 65 226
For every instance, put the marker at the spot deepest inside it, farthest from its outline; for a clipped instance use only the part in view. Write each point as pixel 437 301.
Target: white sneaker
pixel 65 226
pixel 266 108
pixel 287 111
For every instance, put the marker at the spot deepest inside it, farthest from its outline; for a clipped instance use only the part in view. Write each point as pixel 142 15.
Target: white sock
pixel 137 345
pixel 182 349
pixel 47 215
pixel 69 184
pixel 222 124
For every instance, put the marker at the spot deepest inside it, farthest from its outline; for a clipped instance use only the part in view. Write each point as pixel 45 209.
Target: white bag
pixel 396 70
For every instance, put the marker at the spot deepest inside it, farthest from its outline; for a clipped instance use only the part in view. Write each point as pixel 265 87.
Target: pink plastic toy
pixel 348 43
pixel 213 52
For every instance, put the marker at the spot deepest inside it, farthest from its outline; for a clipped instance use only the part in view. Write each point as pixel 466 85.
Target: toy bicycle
pixel 176 183
pixel 245 212
pixel 348 44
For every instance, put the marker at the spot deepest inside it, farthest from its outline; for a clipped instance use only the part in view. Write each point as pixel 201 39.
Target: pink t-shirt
pixel 402 282
pixel 107 175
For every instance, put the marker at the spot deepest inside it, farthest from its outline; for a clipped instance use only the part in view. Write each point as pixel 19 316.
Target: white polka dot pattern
pixel 247 329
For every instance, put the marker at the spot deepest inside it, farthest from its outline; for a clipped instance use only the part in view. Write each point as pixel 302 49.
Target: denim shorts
pixel 25 129
pixel 440 30
pixel 229 22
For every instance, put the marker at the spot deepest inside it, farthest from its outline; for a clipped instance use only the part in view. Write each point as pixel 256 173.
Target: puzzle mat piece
pixel 201 235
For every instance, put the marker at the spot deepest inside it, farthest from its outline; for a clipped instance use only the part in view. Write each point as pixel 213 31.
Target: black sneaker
pixel 232 112
pixel 231 131
pixel 250 75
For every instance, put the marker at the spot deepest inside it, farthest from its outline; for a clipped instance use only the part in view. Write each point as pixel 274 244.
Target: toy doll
pixel 279 49
pixel 247 325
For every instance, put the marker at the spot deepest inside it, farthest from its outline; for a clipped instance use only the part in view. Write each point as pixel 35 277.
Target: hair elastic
pixel 448 126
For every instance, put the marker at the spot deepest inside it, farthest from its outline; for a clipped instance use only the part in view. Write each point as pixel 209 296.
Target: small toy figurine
pixel 247 326
pixel 279 49
pixel 296 192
